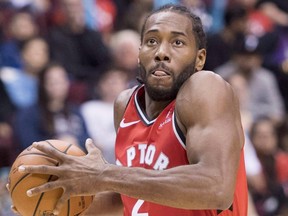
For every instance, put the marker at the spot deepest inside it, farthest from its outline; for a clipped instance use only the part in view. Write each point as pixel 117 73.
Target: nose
pixel 162 54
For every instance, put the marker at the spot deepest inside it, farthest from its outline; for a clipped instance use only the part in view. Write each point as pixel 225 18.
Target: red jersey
pixel 159 144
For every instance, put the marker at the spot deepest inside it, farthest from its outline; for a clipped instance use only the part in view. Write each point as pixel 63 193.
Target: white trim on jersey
pixel 140 110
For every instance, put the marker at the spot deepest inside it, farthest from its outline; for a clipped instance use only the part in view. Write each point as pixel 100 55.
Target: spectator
pixel 124 47
pixel 199 7
pixel 220 45
pixel 78 48
pixel 21 84
pixel 6 11
pixel 52 117
pixel 98 114
pixel 22 27
pixel 276 10
pixel 138 10
pixel 264 95
pixel 241 87
pixel 272 200
pixel 252 164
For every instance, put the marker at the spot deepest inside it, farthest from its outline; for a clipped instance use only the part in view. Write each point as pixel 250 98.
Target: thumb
pixel 90 146
pixel 92 149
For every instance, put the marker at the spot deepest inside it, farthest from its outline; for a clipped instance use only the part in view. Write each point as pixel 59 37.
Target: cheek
pixel 144 56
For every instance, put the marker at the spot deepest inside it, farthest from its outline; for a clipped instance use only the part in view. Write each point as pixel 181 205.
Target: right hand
pixel 77 175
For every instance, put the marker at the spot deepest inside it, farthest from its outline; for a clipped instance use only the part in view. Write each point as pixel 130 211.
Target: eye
pixel 178 43
pixel 151 42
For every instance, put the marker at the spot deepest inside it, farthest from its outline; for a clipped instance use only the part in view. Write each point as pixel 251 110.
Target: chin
pixel 161 93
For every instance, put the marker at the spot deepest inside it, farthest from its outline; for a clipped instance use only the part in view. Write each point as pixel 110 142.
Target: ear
pixel 200 59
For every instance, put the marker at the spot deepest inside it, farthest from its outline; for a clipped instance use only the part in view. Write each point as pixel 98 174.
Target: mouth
pixel 160 72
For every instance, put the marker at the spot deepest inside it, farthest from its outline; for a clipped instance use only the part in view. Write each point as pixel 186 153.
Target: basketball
pixel 44 203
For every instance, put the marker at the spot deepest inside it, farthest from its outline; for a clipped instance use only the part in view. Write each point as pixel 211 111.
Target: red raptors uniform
pixel 159 144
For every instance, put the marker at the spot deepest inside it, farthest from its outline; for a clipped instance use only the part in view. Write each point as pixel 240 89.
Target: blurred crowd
pixel 63 62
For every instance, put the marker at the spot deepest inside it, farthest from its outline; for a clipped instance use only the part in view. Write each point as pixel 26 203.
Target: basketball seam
pixel 68 203
pixel 40 198
pixel 52 160
pixel 68 147
pixel 65 151
pixel 22 178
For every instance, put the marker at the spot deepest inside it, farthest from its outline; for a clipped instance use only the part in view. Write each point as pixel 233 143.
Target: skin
pixel 214 136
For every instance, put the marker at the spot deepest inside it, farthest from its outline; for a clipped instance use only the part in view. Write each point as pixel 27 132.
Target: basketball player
pixel 179 140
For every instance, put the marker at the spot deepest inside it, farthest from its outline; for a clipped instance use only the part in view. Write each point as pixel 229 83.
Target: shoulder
pixel 203 97
pixel 124 97
pixel 121 103
pixel 204 83
pixel 264 74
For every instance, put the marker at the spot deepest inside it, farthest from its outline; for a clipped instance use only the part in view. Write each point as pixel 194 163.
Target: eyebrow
pixel 173 32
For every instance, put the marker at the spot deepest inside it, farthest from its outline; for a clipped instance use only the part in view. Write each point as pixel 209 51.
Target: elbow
pixel 224 198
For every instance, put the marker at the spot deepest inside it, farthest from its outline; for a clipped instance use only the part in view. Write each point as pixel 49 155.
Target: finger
pixel 40 169
pixel 42 188
pixel 60 203
pixel 8 187
pixel 14 210
pixel 90 146
pixel 49 150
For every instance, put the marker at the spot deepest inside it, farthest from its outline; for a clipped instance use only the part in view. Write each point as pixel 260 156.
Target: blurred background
pixel 63 62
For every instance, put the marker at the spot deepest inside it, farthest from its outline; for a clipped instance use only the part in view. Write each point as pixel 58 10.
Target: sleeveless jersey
pixel 159 144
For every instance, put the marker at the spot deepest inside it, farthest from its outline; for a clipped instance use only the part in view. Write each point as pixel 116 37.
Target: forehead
pixel 170 21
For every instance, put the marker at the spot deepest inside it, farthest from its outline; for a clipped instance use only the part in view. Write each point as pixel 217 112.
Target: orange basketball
pixel 44 203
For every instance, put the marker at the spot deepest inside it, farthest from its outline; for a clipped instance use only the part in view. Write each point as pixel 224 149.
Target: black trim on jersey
pixel 179 131
pixel 230 208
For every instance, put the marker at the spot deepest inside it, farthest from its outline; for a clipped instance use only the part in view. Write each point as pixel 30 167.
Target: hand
pixel 77 175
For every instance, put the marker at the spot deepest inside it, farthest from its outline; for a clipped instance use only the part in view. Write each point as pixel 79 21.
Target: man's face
pixel 168 54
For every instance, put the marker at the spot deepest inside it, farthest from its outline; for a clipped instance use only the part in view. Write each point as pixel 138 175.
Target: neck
pixel 154 108
pixel 31 71
pixel 56 106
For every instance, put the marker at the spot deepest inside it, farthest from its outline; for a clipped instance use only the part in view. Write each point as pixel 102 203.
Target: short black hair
pixel 197 26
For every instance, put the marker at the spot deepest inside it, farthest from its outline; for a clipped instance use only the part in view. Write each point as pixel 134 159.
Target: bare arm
pixel 106 204
pixel 275 13
pixel 207 112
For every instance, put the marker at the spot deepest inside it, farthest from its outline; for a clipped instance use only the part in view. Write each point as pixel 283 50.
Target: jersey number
pixel 136 208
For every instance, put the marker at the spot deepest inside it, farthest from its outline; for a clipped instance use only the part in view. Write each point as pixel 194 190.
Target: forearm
pixel 104 204
pixel 184 187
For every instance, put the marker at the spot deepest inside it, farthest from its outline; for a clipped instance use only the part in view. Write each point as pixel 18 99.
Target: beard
pixel 157 94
